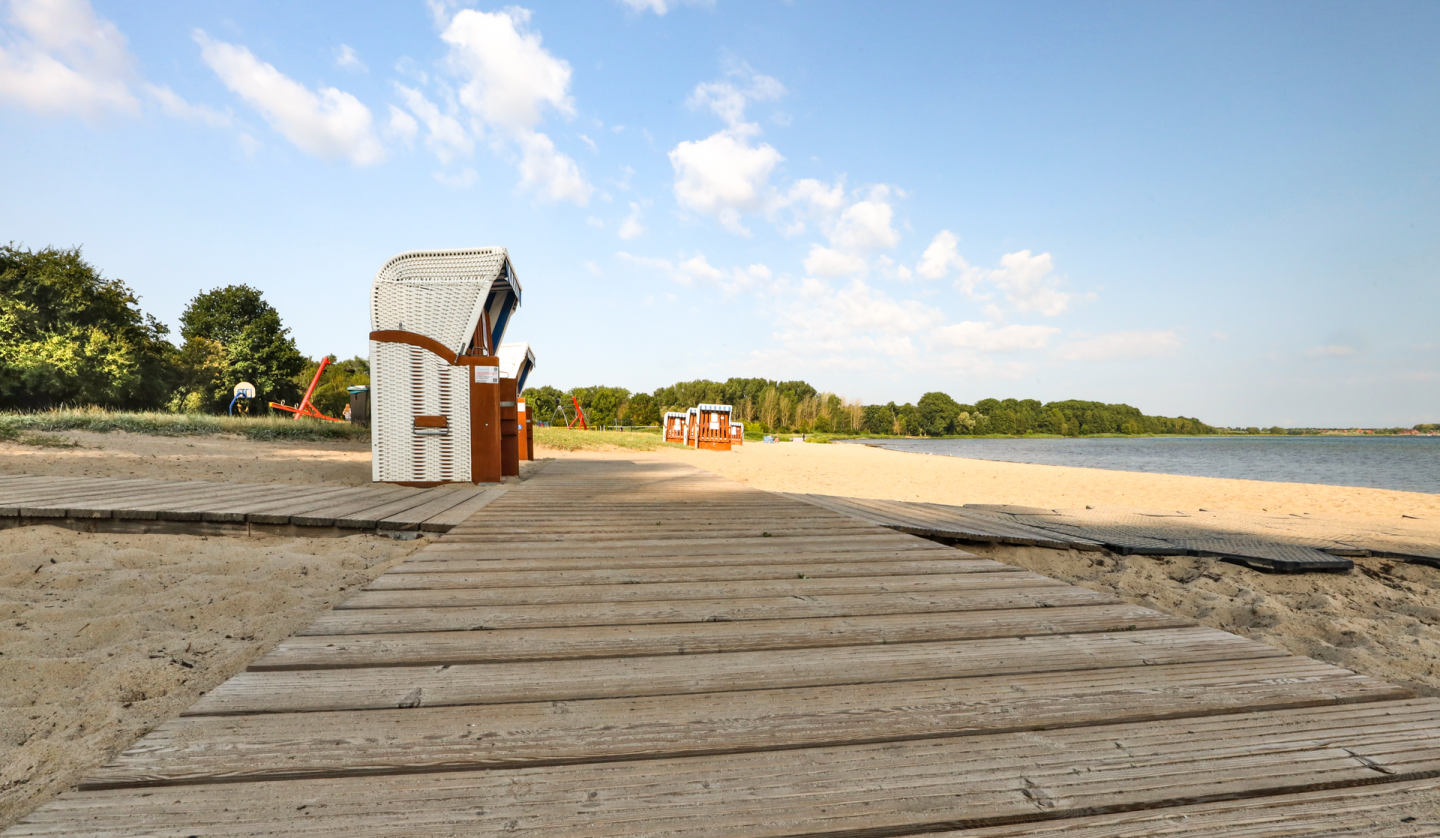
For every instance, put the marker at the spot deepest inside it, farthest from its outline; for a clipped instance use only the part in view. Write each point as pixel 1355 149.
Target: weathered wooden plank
pixel 460 513
pixel 390 506
pixel 1388 810
pixel 573 680
pixel 873 789
pixel 333 744
pixel 433 560
pixel 445 579
pixel 365 498
pixel 439 648
pixel 278 496
pixel 411 518
pixel 671 591
pixel 150 506
pixel 380 620
pixel 727 547
pixel 282 512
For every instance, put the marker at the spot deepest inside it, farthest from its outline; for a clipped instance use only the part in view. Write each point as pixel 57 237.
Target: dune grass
pixel 16 426
pixel 565 439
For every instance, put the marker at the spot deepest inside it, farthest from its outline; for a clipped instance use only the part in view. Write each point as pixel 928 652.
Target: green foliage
pixel 233 335
pixel 577 440
pixel 331 395
pixel 67 334
pixel 97 420
pixel 640 410
pixel 601 404
pixel 542 403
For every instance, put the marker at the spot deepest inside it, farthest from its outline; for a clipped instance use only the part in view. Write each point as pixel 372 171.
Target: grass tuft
pixel 566 439
pixel 97 420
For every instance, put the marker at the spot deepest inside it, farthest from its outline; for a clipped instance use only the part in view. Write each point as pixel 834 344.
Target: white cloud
pixel 631 227
pixel 510 77
pixel 403 126
pixel 697 267
pixel 445 136
pixel 464 179
pixel 853 326
pixel 554 175
pixel 1334 350
pixel 942 255
pixel 593 268
pixel 865 225
pixel 329 124
pixel 172 105
pixel 660 7
pixel 1026 280
pixel 58 56
pixel 508 82
pixel 587 141
pixel 1120 346
pixel 722 175
pixel 595 222
pixel 345 57
pixel 987 337
pixel 825 262
pixel 726 174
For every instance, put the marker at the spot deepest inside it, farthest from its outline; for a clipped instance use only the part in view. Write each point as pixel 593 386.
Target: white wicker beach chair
pixel 437 317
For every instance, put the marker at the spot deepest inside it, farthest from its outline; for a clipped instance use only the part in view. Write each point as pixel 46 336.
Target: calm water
pixel 1410 464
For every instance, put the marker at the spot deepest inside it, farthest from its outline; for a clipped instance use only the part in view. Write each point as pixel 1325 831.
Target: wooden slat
pixel 874 789
pixel 272 746
pixel 671 591
pixel 462 512
pixel 439 648
pixel 1389 810
pixel 500 683
pixel 434 560
pixel 284 512
pixel 793 569
pixel 325 516
pixel 387 620
pixel 411 519
pixel 370 518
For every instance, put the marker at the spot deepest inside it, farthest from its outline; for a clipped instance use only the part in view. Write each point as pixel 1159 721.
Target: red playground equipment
pixel 579 416
pixel 306 408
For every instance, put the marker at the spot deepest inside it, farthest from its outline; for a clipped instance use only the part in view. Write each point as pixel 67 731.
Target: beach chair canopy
pixel 516 361
pixel 446 296
pixel 714 408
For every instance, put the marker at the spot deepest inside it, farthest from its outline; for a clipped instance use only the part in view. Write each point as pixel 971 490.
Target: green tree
pixel 68 335
pixel 937 413
pixel 642 410
pixel 542 402
pixel 331 393
pixel 601 404
pixel 256 347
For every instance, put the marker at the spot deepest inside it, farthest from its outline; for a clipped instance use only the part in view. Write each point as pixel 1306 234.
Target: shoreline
pixel 871 472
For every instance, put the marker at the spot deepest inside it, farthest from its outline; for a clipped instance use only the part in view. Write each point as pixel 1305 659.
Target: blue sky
pixel 1225 210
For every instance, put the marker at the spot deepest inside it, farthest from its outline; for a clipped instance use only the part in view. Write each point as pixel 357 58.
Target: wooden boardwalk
pixel 99 504
pixel 1284 543
pixel 643 649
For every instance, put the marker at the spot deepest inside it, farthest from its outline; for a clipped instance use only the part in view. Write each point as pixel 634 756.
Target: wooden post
pixel 524 436
pixel 509 429
pixel 485 442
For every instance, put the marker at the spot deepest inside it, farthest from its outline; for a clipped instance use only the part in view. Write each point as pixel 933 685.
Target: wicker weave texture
pixel 408 382
pixel 437 293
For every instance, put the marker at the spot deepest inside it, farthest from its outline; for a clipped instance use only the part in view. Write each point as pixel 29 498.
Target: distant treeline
pixel 796 406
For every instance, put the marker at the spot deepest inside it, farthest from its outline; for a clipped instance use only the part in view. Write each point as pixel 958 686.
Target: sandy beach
pixel 103 636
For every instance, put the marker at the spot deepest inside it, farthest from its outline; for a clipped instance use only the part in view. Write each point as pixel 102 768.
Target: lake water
pixel 1410 464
